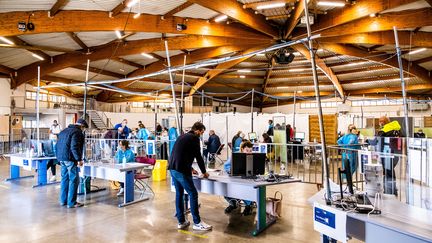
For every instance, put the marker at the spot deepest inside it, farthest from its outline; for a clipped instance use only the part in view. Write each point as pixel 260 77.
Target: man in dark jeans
pixel 69 151
pixel 186 149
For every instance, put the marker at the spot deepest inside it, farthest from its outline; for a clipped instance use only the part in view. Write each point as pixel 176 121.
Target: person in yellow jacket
pixel 390 142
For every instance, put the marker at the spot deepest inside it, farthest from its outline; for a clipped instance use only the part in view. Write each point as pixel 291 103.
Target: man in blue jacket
pixel 69 151
pixel 213 143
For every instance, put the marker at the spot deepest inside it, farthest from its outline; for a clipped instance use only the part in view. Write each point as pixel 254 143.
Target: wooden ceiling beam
pixel 77 40
pixel 99 71
pixel 80 21
pixel 18 41
pixel 176 60
pixel 119 8
pixel 160 58
pixel 385 59
pixel 294 18
pixel 6 70
pixel 57 7
pixel 324 68
pixel 220 68
pixel 423 60
pixel 132 47
pixel 391 89
pixel 178 9
pixel 267 79
pixel 133 64
pixel 402 19
pixel 339 16
pixel 234 10
pixel 378 39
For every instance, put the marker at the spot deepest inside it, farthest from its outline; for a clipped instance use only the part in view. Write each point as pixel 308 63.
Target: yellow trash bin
pixel 160 170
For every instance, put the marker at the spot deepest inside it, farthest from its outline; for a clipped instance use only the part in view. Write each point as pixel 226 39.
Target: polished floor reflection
pixel 34 215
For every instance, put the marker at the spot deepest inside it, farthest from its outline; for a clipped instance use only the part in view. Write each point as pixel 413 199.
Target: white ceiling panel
pixel 96 38
pixel 113 66
pixel 155 7
pixel 103 5
pixel 140 59
pixel 198 12
pixel 51 39
pixel 25 5
pixel 16 58
pixel 426 53
pixel 171 53
pixel 427 65
pixel 426 29
pixel 77 74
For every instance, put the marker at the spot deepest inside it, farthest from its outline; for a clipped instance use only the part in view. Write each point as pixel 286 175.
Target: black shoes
pixel 248 210
pixel 230 208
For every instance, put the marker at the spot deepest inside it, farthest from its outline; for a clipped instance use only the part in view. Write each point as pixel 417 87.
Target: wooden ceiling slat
pixel 178 9
pixel 57 7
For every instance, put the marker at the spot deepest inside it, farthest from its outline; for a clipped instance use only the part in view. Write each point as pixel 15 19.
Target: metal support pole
pixel 405 108
pixel 277 105
pixel 182 98
pixel 172 85
pixel 37 110
pixel 252 106
pixel 399 55
pixel 85 90
pixel 155 112
pixel 202 106
pixel 294 112
pixel 318 100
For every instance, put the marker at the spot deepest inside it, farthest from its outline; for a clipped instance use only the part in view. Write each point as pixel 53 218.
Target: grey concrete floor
pixel 34 215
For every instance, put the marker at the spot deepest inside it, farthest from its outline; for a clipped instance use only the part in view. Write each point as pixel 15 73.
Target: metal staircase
pixel 99 119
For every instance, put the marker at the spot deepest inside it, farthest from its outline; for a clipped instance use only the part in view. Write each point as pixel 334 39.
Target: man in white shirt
pixel 55 128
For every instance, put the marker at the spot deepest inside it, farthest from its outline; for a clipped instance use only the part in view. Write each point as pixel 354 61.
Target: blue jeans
pixel 69 183
pixel 183 182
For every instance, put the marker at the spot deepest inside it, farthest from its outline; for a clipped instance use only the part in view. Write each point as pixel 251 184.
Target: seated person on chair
pixel 124 152
pixel 236 141
pixel 245 147
pixel 213 143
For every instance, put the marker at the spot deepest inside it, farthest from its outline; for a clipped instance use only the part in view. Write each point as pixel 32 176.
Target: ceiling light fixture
pixel 6 40
pixel 147 55
pixel 260 54
pixel 244 71
pixel 242 76
pixel 221 18
pixel 299 91
pixel 270 5
pixel 136 15
pixel 331 4
pixel 416 51
pixel 37 56
pixel 118 34
pixel 296 70
pixel 132 3
pixel 282 87
pixel 372 15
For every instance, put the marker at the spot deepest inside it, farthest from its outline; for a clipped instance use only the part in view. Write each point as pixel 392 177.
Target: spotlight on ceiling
pixel 284 56
pixel 331 4
pixel 221 18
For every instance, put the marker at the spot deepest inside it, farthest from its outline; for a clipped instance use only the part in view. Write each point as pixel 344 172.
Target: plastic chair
pixel 212 157
pixel 142 178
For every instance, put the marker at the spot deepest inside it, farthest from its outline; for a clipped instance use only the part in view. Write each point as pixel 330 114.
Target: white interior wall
pixel 5 94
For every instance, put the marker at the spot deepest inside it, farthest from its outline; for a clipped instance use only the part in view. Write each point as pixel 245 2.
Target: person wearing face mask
pixel 124 131
pixel 350 141
pixel 124 153
pixel 245 147
pixel 69 151
pixel 186 149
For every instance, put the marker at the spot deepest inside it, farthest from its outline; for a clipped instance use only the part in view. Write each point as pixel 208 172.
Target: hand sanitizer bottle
pixel 124 160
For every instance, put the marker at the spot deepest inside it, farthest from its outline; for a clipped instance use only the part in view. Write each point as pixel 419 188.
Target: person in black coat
pixel 186 149
pixel 69 151
pixel 213 144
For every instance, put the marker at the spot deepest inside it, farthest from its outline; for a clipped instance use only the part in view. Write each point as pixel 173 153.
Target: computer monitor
pixel 347 172
pixel 252 136
pixel 48 149
pixel 243 164
pixel 299 136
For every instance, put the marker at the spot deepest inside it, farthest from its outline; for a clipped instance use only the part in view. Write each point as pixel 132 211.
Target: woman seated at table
pixel 245 147
pixel 124 152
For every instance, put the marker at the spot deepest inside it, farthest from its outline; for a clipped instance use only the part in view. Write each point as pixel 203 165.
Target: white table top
pixel 127 167
pixel 395 215
pixel 24 156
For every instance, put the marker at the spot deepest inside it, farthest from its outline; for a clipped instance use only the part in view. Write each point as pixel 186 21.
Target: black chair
pixel 212 157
